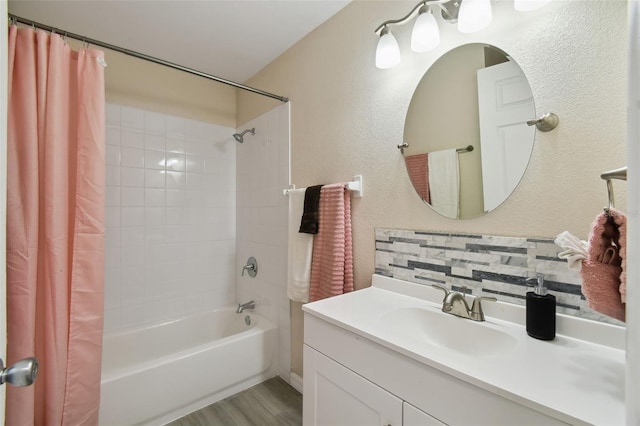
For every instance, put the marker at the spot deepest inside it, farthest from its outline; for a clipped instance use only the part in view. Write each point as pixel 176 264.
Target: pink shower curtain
pixel 55 227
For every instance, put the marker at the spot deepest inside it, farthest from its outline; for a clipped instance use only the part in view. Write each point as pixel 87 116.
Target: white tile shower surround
pixel 262 217
pixel 170 215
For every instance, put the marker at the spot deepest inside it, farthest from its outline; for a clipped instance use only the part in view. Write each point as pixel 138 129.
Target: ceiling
pixel 232 39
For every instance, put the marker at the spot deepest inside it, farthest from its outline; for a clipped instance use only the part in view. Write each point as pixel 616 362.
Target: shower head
pixel 240 136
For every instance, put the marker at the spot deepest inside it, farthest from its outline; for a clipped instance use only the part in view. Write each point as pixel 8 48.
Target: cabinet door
pixel 336 396
pixel 411 416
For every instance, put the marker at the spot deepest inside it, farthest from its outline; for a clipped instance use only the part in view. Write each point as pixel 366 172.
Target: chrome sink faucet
pixel 455 303
pixel 242 306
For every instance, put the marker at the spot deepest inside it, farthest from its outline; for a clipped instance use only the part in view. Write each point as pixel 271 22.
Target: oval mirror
pixel 468 141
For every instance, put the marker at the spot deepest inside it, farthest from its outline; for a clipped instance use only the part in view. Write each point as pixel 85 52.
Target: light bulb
pixel 528 5
pixel 425 35
pixel 388 51
pixel 474 15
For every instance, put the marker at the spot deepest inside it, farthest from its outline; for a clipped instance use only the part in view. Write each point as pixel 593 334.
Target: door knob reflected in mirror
pixel 22 373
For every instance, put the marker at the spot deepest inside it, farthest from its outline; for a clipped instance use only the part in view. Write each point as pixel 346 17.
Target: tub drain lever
pixel 251 267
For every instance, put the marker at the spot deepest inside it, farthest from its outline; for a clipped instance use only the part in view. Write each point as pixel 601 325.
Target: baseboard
pixel 284 375
pixel 296 382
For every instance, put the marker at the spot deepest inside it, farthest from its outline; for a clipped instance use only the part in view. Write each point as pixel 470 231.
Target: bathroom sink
pixel 447 331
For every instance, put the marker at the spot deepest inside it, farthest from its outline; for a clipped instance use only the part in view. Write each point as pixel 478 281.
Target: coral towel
pixel 418 169
pixel 332 260
pixel 603 272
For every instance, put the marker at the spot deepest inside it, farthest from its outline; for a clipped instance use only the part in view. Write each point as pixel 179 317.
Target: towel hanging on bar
pixel 332 258
pixel 300 247
pixel 604 281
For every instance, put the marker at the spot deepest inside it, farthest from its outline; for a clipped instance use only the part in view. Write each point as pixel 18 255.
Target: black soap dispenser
pixel 541 312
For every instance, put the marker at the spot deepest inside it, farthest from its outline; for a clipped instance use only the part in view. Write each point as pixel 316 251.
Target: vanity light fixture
pixel 470 15
pixel 388 51
pixel 425 35
pixel 474 15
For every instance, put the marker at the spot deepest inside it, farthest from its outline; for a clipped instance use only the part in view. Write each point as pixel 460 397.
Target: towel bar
pixel 620 174
pixel 355 186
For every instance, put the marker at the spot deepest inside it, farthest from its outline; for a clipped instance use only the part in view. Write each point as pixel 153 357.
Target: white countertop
pixel 577 378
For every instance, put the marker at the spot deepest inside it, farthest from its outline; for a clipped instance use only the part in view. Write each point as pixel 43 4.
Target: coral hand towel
pixel 620 221
pixel 603 270
pixel 332 261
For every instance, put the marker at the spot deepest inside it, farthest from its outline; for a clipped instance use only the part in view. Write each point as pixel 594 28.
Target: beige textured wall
pixel 347 117
pixel 142 84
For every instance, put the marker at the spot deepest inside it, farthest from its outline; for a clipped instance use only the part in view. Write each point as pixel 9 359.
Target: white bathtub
pixel 157 374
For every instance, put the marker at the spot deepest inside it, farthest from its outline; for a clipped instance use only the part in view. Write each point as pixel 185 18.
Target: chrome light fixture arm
pixel 401 21
pixel 412 14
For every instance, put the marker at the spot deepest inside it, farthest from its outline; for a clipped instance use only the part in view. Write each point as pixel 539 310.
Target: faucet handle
pixel 251 267
pixel 443 288
pixel 476 308
pixel 247 268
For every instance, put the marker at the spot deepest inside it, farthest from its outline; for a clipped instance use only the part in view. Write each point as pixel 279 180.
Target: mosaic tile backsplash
pixel 487 265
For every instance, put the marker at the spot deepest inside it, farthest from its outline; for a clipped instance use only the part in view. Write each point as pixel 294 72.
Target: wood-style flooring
pixel 273 402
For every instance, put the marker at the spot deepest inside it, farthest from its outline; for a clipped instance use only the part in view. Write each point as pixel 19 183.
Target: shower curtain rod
pixel 144 57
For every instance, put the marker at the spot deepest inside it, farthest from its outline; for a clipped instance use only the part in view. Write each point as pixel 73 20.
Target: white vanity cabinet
pixel 387 355
pixel 336 396
pixel 349 380
pixel 411 416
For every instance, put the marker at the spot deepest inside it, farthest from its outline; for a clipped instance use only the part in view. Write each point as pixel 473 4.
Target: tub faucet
pixel 454 303
pixel 242 306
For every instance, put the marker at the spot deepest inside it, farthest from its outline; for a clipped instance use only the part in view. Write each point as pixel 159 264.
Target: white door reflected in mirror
pixel 504 99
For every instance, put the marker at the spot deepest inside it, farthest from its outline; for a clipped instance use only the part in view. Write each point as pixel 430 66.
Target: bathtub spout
pixel 242 306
